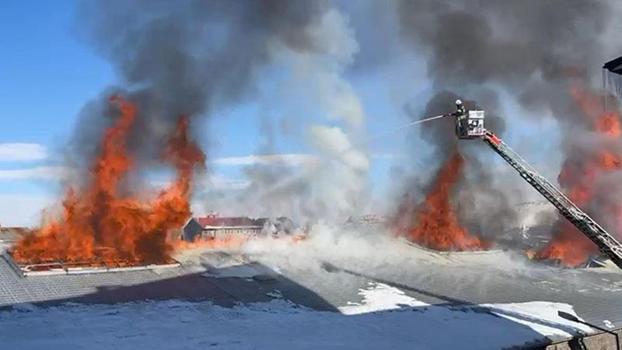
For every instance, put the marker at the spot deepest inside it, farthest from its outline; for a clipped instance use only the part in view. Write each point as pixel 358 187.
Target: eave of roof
pixel 614 65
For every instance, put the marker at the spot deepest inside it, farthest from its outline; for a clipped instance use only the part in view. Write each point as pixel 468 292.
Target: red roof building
pixel 216 227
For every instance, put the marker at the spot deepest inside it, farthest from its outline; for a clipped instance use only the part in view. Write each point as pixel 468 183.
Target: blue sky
pixel 45 77
pixel 47 74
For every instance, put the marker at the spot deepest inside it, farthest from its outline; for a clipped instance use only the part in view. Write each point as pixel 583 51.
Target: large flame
pixel 578 179
pixel 100 224
pixel 436 223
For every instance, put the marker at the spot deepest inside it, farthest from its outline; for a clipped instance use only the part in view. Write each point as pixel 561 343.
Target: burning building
pixel 434 223
pixel 104 223
pixel 587 177
pixel 172 76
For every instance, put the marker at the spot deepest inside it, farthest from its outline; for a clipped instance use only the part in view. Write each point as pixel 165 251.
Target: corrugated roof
pixel 455 279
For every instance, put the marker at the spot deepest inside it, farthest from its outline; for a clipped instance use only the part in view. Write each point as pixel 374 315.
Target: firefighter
pixel 460 107
pixel 461 120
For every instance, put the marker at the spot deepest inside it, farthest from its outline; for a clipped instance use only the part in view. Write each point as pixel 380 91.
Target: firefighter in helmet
pixel 461 120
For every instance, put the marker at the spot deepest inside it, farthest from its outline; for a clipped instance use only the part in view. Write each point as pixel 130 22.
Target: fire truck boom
pixel 470 125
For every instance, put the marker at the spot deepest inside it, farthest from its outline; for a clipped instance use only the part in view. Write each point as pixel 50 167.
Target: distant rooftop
pixel 217 221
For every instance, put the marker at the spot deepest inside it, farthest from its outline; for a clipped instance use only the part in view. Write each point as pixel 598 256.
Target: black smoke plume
pixel 185 57
pixel 532 50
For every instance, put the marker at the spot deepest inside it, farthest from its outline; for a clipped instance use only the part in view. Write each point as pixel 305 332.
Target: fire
pixel 578 179
pixel 437 224
pixel 100 222
pixel 609 125
pixel 569 246
pixel 609 161
pixel 231 242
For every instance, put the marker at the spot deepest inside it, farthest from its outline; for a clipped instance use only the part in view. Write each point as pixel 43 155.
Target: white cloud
pixel 219 182
pixel 388 156
pixel 34 173
pixel 22 152
pixel 23 210
pixel 285 159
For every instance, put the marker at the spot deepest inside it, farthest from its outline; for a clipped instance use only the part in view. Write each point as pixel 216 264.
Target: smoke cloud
pixel 531 50
pixel 333 184
pixel 195 58
pixel 185 58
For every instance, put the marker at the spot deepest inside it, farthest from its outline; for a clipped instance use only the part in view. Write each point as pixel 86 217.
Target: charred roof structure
pixel 614 66
pixel 612 76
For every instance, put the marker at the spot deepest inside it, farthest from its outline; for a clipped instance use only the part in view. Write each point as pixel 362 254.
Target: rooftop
pixel 217 221
pixel 335 277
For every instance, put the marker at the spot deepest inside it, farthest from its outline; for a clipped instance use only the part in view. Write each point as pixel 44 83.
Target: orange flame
pixel 608 160
pixel 231 242
pixel 100 224
pixel 609 125
pixel 437 224
pixel 569 246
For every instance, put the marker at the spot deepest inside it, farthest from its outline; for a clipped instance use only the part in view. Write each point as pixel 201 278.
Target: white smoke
pixel 334 185
pixel 372 251
pixel 338 183
pixel 340 179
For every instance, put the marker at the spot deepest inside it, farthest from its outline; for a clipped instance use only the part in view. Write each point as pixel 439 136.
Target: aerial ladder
pixel 470 125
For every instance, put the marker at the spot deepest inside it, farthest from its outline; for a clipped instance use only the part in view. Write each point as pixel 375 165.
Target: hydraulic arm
pixel 470 125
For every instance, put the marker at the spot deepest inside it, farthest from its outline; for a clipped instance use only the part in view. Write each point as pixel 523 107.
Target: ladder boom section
pixel 606 242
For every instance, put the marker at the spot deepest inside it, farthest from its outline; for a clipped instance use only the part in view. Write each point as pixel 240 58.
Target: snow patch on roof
pixel 378 297
pixel 278 324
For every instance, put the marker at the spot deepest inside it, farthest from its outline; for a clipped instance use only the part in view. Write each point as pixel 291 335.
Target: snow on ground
pixel 377 297
pixel 276 325
pixel 386 318
pixel 541 317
